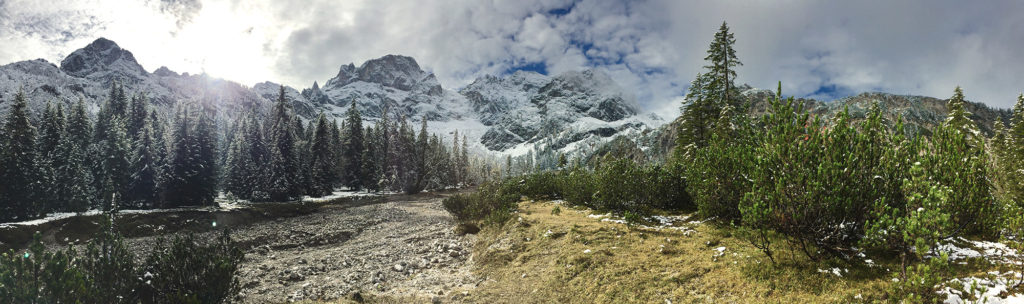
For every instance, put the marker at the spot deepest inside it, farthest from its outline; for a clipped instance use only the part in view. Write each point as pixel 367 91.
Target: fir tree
pixel 371 165
pixel 354 176
pixel 18 175
pixel 116 174
pixel 283 182
pixel 709 92
pixel 322 167
pixel 73 178
pixel 237 168
pixel 51 130
pixel 137 117
pixel 142 190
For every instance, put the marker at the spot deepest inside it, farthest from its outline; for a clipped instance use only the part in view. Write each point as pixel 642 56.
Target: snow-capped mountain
pixel 509 115
pixel 88 73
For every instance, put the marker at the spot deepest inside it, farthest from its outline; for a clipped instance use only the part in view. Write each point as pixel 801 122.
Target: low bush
pixel 185 272
pixel 492 203
pixel 578 187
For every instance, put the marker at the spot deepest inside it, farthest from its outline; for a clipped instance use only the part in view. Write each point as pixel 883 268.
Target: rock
pixel 398 268
pixel 453 253
pixel 295 276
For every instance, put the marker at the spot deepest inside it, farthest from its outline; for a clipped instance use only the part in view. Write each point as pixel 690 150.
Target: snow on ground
pixel 992 251
pixel 342 194
pixel 663 222
pixel 988 289
pixel 49 218
pixel 222 205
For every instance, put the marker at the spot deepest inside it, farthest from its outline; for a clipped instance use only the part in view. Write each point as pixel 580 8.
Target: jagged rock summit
pixel 102 58
pixel 510 114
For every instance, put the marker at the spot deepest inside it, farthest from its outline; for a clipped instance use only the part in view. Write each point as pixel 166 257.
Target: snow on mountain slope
pixel 512 114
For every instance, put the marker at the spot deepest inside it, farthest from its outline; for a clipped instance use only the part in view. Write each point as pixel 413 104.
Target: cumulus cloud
pixel 821 49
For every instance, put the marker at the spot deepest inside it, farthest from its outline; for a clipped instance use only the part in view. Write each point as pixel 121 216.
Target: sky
pixel 818 49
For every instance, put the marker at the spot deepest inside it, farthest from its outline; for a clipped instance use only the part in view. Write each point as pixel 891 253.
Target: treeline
pixel 130 156
pixel 289 160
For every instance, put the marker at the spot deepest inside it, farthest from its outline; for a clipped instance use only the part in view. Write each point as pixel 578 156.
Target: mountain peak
pixel 397 71
pixel 100 59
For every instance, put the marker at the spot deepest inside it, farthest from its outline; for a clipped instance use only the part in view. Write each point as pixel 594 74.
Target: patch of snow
pixel 989 289
pixel 835 271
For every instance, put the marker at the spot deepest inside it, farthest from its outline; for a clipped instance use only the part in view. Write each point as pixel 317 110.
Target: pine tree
pixel 958 160
pixel 137 117
pixel 283 182
pixel 115 163
pixel 419 174
pixel 51 130
pixel 958 117
pixel 18 175
pixel 239 162
pixel 464 162
pixel 142 190
pixel 371 166
pixel 456 176
pixel 709 92
pixel 206 180
pixel 354 176
pixel 73 178
pixel 322 167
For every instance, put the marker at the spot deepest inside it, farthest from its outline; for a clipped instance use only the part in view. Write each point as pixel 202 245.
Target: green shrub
pixel 542 185
pixel 578 187
pixel 718 175
pixel 492 203
pixel 185 272
pixel 665 188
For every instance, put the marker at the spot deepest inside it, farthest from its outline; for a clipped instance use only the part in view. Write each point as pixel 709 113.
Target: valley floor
pixel 575 256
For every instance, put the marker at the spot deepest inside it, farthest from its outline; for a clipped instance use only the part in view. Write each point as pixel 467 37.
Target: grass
pixel 584 260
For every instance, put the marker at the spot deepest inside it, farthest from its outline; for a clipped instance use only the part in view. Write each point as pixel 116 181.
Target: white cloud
pixel 654 47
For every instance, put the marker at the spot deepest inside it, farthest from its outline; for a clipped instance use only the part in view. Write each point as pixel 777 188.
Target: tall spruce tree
pixel 142 190
pixel 958 160
pixel 18 175
pixel 283 182
pixel 51 130
pixel 354 149
pixel 137 116
pixel 371 165
pixel 322 167
pixel 74 178
pixel 709 92
pixel 116 165
pixel 190 177
pixel 239 163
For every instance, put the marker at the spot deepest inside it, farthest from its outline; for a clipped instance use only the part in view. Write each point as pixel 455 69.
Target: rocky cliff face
pixel 511 114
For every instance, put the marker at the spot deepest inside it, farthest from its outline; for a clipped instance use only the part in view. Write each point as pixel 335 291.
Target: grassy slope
pixel 645 265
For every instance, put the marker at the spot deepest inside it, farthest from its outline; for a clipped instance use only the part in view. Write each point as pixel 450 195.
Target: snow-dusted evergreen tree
pixel 371 166
pixel 463 164
pixel 353 149
pixel 137 117
pixel 336 153
pixel 73 178
pixel 19 179
pixel 239 163
pixel 115 162
pixel 190 177
pixel 958 160
pixel 142 190
pixel 283 183
pixel 51 130
pixel 321 161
